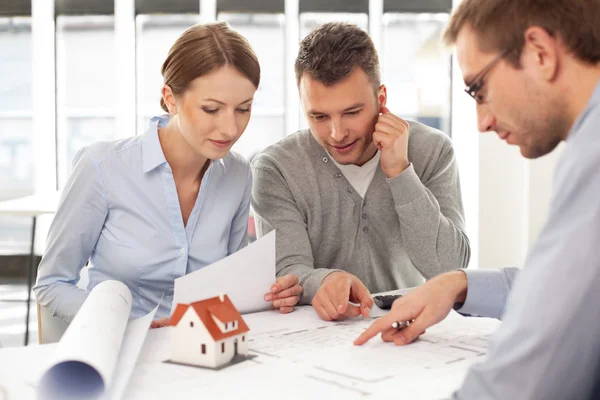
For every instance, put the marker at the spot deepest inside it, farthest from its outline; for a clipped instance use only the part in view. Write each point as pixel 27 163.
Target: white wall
pixel 514 195
pixel 541 178
pixel 466 146
pixel 503 207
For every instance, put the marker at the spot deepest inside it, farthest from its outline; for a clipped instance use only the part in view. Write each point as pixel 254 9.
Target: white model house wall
pixel 189 336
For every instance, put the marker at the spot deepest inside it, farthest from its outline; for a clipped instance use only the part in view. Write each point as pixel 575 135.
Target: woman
pixel 149 209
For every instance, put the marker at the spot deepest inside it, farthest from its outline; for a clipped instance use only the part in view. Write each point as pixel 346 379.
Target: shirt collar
pixel 592 103
pixel 365 167
pixel 152 153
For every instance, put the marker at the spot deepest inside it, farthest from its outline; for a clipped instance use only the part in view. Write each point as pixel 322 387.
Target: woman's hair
pixel 203 48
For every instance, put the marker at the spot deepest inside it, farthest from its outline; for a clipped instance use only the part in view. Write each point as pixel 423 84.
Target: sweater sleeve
pixel 275 208
pixel 431 216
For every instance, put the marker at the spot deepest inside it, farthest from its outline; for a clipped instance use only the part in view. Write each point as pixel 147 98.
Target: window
pixel 243 338
pixel 16 152
pixel 225 325
pixel 203 349
pixel 155 36
pixel 192 325
pixel 265 32
pixel 85 84
pixel 309 20
pixel 415 67
pixel 223 347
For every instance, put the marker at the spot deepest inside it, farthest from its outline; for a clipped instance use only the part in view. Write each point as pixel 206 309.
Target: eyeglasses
pixel 476 84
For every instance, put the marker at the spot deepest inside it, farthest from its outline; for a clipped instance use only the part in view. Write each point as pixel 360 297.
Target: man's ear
pixel 382 96
pixel 541 51
pixel 169 99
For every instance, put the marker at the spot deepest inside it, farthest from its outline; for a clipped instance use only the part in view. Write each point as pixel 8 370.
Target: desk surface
pixel 298 357
pixel 31 206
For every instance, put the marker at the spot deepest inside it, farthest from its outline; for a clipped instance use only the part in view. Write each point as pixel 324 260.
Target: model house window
pixel 243 338
pixel 233 324
pixel 223 347
pixel 203 349
pixel 191 324
pixel 225 325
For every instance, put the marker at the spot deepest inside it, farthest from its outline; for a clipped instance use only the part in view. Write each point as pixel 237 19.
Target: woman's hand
pixel 285 293
pixel 160 323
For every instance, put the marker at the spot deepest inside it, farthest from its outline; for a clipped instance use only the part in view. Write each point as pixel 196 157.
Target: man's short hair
pixel 500 25
pixel 331 51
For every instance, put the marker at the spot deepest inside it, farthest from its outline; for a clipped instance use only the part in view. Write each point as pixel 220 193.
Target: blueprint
pixel 304 357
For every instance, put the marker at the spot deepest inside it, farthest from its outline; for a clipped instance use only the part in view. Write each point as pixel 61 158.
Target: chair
pixel 50 329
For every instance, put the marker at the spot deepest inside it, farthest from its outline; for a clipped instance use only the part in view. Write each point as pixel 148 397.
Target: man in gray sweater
pixel 363 201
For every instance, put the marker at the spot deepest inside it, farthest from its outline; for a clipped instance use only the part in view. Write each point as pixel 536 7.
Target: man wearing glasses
pixel 533 68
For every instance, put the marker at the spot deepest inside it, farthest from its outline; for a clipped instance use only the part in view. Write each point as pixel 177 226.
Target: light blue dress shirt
pixel 120 211
pixel 548 346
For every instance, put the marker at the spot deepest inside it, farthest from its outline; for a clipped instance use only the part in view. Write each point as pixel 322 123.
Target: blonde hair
pixel 203 48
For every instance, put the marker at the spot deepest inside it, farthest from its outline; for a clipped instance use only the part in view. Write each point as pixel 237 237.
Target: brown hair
pixel 203 48
pixel 500 25
pixel 330 52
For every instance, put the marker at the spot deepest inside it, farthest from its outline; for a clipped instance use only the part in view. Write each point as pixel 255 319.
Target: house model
pixel 208 333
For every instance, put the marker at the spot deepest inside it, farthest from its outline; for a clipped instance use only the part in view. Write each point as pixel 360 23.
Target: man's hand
pixel 285 293
pixel 337 290
pixel 391 138
pixel 160 323
pixel 427 305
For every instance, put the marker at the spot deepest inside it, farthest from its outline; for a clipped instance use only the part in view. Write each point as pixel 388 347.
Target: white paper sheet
pixel 245 276
pixel 323 351
pixel 18 376
pixel 135 335
pixel 96 355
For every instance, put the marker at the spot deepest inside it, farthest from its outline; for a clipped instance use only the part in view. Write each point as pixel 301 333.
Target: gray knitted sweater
pixel 405 229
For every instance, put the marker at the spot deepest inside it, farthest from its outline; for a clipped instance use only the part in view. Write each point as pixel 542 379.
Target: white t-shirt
pixel 360 177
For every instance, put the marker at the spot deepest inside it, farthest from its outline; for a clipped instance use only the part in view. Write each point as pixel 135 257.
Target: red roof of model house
pixel 221 308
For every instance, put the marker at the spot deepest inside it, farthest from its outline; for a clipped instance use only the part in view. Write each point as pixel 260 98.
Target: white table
pixel 31 206
pixel 296 357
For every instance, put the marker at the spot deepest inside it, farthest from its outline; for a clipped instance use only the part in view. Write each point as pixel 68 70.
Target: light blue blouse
pixel 120 211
